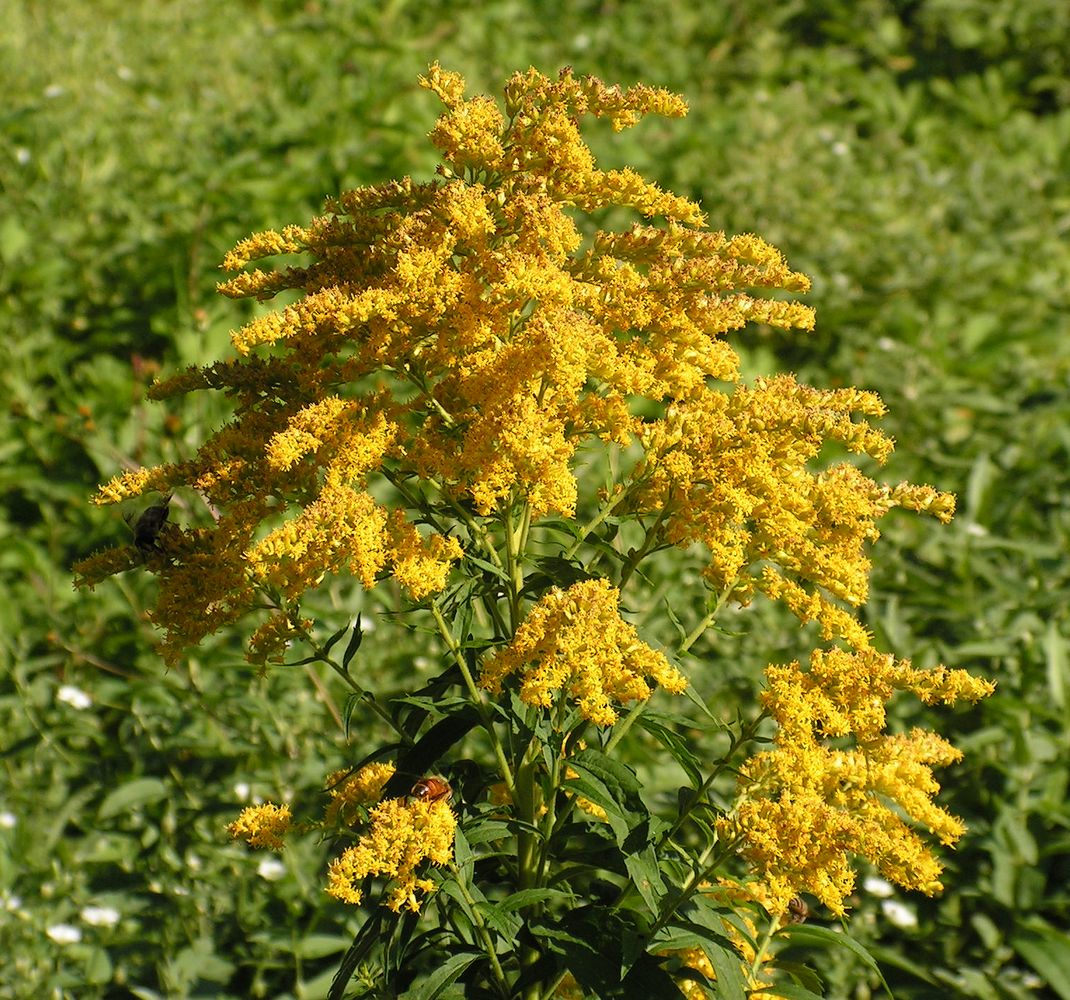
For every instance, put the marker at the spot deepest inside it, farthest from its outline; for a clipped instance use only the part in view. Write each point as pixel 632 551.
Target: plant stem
pixel 481 929
pixel 621 728
pixel 611 505
pixel 745 735
pixel 650 542
pixel 698 876
pixel 477 698
pixel 759 952
pixel 516 537
pixel 366 696
pixel 709 618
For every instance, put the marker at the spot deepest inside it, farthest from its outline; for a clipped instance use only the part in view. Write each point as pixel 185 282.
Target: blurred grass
pixel 912 157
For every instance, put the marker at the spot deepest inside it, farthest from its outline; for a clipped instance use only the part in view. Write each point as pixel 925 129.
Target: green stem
pixel 552 988
pixel 650 542
pixel 708 620
pixel 597 520
pixel 477 530
pixel 516 537
pixel 477 698
pixel 746 734
pixel 621 728
pixel 549 819
pixel 322 656
pixel 759 952
pixel 698 876
pixel 481 929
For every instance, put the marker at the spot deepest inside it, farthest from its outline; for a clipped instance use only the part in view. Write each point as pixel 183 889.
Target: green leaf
pixel 354 644
pixel 642 866
pixel 486 830
pixel 446 974
pixel 676 623
pixel 726 964
pixel 487 567
pixel 529 897
pixel 1058 664
pixel 419 759
pixel 139 792
pixel 610 771
pixel 593 789
pixel 363 942
pixel 801 975
pixel 1048 953
pixel 463 858
pixel 823 937
pixel 319 945
pixel 449 887
pixel 330 643
pixel 693 696
pixel 680 933
pixel 594 942
pixel 677 745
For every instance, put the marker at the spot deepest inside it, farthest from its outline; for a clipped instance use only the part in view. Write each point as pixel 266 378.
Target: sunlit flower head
pixel 452 341
pixel 837 786
pixel 575 641
pixel 100 916
pixel 262 826
pixel 270 869
pixel 350 790
pixel 73 696
pixel 403 834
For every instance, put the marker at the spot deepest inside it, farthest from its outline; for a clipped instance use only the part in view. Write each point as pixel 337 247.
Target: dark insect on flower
pixel 148 526
pixel 431 790
pixel 798 911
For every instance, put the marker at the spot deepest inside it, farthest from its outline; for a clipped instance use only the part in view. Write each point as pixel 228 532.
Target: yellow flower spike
pixel 420 564
pixel 266 244
pixel 131 484
pixel 576 641
pixel 349 791
pixel 449 86
pixel 99 566
pixel 262 826
pixel 271 640
pixel 806 807
pixel 402 836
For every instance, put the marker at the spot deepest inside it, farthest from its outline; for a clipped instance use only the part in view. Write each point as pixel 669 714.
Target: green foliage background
pixel 912 157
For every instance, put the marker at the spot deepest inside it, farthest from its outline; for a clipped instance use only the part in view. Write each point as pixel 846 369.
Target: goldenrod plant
pixel 506 389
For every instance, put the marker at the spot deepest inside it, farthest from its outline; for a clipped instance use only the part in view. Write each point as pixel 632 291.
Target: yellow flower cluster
pixel 262 826
pixel 349 791
pixel 575 640
pixel 455 336
pixel 838 785
pixel 404 833
pixel 731 470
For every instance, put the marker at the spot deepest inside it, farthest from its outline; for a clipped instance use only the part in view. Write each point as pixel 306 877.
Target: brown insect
pixel 432 789
pixel 798 911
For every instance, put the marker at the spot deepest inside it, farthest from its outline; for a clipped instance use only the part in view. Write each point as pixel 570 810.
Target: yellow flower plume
pixel 575 640
pixel 262 826
pixel 809 805
pixel 348 791
pixel 403 835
